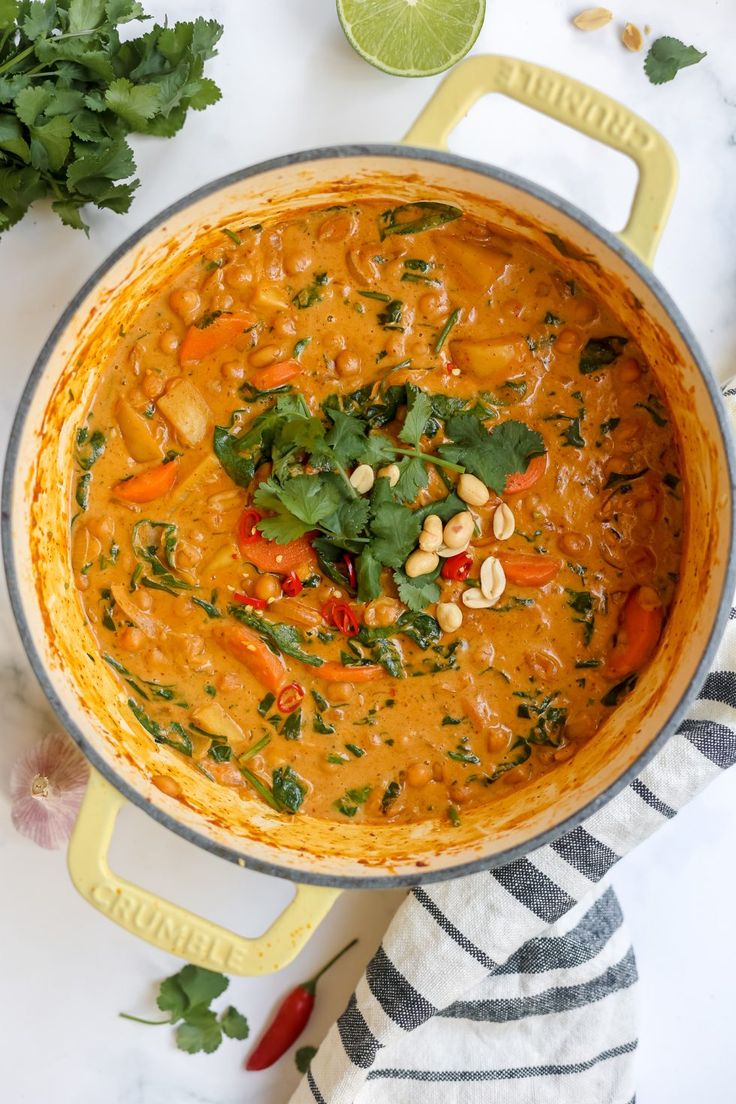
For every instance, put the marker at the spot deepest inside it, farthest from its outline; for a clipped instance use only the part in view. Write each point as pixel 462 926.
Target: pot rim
pixel 388 880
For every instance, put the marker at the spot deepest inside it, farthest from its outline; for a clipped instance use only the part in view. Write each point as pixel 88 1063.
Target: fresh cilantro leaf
pixel 234 1024
pixel 368 570
pixel 413 478
pixel 419 592
pixel 347 437
pixel 303 1057
pixel 172 998
pixel 200 1031
pixel 377 450
pixel 201 986
pixel 299 505
pixel 394 528
pixel 491 456
pixel 419 407
pixel 135 104
pixel 667 56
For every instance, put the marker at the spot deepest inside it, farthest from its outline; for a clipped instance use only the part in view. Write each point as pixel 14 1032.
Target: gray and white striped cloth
pixel 518 984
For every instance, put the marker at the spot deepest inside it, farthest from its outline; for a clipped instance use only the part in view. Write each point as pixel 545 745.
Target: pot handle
pixel 168 926
pixel 580 107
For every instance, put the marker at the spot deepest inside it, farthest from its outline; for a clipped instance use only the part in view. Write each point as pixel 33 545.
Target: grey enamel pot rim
pixel 487 180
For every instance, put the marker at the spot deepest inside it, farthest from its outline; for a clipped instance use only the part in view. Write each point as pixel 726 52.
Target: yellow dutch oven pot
pixel 324 857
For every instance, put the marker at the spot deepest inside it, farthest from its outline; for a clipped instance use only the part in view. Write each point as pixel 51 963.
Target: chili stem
pixel 310 985
pixel 445 332
pixel 137 1019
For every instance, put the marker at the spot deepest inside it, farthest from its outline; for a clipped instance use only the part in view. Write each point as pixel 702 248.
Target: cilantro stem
pixel 137 1019
pixel 431 459
pixel 13 61
pixel 445 333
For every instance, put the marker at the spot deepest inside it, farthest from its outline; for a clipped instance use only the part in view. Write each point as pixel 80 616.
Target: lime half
pixel 411 38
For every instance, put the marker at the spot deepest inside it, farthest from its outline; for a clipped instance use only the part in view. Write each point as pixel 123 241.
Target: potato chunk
pixel 218 722
pixel 490 361
pixel 186 411
pixel 137 433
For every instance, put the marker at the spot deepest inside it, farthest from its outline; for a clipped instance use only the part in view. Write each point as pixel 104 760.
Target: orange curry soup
pixel 377 513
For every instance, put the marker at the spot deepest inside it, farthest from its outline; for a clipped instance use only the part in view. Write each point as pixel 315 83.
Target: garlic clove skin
pixel 47 784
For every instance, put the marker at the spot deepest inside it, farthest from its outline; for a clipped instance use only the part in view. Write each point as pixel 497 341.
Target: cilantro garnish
pixel 667 56
pixel 72 92
pixel 187 997
pixel 491 456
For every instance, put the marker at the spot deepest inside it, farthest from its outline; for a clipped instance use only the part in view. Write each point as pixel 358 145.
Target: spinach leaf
pixel 414 218
pixel 599 352
pixel 288 789
pixel 279 637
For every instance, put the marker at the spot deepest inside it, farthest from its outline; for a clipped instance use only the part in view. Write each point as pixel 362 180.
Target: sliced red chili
pixel 457 567
pixel 247 532
pixel 246 600
pixel 342 616
pixel 350 569
pixel 290 698
pixel 292 585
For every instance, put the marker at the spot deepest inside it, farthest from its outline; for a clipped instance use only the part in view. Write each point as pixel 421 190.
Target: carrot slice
pixel 149 484
pixel 247 646
pixel 267 555
pixel 522 481
pixel 529 571
pixel 200 341
pixel 276 375
pixel 332 671
pixel 639 630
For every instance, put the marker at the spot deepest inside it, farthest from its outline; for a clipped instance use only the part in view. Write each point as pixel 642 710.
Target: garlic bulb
pixel 47 784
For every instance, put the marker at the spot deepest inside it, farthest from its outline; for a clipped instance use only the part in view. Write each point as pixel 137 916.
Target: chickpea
pixel 238 277
pixel 438 772
pixel 233 370
pixel 396 346
pixel 131 638
pixel 347 363
pixel 647 511
pixel 432 303
pixel 168 342
pixel 341 693
pixel 567 341
pixel 166 784
pixel 419 349
pixel 187 555
pixel 628 435
pixel 284 324
pixel 152 385
pixel 101 527
pixel 543 665
pixel 519 774
pixel 298 260
pixel 459 793
pixel 267 586
pixel 337 227
pixel 222 301
pixel 563 754
pixel 143 599
pixel 382 612
pixel 418 774
pixel 185 303
pixel 248 577
pixel 497 738
pixel 265 355
pixel 573 544
pixel 583 310
pixel 628 369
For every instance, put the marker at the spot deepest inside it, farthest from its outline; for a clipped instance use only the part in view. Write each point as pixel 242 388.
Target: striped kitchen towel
pixel 517 984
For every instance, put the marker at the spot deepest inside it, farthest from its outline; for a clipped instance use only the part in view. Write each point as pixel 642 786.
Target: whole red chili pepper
pixel 290 1020
pixel 457 567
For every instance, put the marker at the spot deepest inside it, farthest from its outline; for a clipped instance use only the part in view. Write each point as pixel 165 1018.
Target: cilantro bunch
pixel 187 996
pixel 309 490
pixel 71 91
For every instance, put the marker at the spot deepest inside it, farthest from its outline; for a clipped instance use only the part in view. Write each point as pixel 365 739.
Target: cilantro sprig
pixel 72 91
pixel 187 997
pixel 667 56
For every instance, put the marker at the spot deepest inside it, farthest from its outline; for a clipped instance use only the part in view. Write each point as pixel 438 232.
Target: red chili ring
pixel 246 600
pixel 341 616
pixel 457 567
pixel 247 533
pixel 290 698
pixel 292 585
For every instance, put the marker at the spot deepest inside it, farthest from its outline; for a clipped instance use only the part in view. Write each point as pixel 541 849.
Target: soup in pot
pixel 377 513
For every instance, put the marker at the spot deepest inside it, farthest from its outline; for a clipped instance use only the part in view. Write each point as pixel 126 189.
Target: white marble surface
pixel 290 81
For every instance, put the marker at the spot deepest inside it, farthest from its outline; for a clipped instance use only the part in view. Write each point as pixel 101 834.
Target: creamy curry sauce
pixel 377 514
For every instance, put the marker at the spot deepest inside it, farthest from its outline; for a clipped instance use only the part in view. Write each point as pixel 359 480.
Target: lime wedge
pixel 411 38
